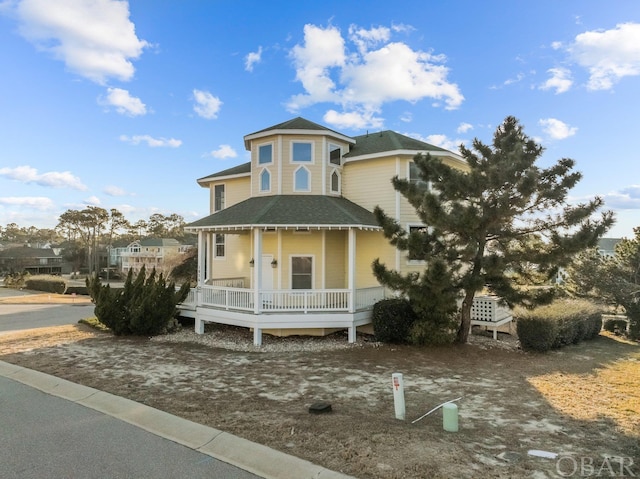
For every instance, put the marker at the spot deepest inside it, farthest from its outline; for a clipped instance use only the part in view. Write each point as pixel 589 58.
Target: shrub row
pixel 46 283
pixel 558 324
pixel 16 280
pixel 77 290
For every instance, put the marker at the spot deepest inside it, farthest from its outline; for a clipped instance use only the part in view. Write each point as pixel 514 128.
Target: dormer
pixel 297 157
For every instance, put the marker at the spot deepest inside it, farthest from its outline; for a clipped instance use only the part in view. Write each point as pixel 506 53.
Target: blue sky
pixel 124 105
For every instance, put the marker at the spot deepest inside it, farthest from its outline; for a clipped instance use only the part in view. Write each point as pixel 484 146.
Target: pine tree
pixel 486 224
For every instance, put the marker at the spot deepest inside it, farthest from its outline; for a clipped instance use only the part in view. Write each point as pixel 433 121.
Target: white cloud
pixel 252 58
pixel 151 141
pixel 556 129
pixel 112 190
pixel 94 38
pixel 444 142
pixel 464 127
pixel 560 80
pixel 223 152
pixel 55 179
pixel 35 202
pixel 207 106
pixel 379 71
pixel 625 199
pixel 123 102
pixel 92 200
pixel 353 120
pixel 609 55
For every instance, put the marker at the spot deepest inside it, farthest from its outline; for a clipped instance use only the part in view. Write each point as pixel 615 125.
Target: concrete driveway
pixel 17 317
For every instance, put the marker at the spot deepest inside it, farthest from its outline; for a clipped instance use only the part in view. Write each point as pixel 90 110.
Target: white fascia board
pixel 262 134
pixel 204 182
pixel 412 153
pixel 195 229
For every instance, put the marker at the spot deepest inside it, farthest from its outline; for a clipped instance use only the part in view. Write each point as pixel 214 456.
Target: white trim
pixel 397 218
pixel 323 167
pixel 243 227
pixel 412 153
pixel 279 166
pixel 279 247
pixel 311 143
pixel 328 155
pixel 224 192
pixel 264 171
pixel 206 182
pixel 323 273
pixel 301 167
pixel 313 269
pixel 214 242
pixel 258 146
pixel 329 133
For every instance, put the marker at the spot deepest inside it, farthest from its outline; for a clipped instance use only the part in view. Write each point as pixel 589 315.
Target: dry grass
pixel 610 391
pixel 46 298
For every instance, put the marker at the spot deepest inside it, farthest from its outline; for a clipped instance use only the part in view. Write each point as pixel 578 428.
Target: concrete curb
pixel 250 456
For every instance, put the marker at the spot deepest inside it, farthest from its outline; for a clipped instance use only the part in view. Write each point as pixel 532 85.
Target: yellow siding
pixel 368 183
pixel 301 244
pixel 235 190
pixel 235 264
pixel 369 246
pixel 335 259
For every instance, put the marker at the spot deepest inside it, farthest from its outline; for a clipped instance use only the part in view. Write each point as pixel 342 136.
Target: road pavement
pixel 53 428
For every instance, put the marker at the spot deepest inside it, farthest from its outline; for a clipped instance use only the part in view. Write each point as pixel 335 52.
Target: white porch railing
pixel 287 300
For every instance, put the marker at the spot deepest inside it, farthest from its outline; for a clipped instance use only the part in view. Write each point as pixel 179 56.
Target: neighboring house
pixel 32 260
pixel 607 246
pixel 150 252
pixel 289 245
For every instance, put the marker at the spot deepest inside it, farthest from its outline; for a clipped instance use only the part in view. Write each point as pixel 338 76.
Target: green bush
pixel 393 320
pixel 145 306
pixel 79 290
pixel 47 283
pixel 558 324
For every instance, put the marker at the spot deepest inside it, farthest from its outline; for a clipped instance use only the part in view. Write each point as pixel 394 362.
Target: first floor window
pixel 219 246
pixel 301 272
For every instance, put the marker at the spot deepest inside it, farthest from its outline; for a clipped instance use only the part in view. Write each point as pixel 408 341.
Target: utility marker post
pixel 398 395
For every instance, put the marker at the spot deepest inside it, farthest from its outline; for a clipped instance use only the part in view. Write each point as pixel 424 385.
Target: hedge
pixel 559 324
pixel 392 320
pixel 46 283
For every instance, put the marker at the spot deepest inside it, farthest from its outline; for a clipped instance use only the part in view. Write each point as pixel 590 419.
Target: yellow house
pixel 291 237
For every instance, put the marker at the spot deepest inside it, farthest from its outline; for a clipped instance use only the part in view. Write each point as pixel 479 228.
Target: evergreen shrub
pixel 16 280
pixel 393 320
pixel 46 283
pixel 145 306
pixel 558 324
pixel 618 326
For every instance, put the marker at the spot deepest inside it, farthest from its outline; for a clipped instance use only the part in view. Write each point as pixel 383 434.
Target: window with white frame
pixel 219 246
pixel 265 181
pixel 302 179
pixel 301 152
pixel 335 154
pixel 218 195
pixel 301 272
pixel 414 175
pixel 335 182
pixel 265 154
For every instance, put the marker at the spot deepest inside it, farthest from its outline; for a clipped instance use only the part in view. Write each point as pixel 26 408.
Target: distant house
pixel 607 246
pixel 291 237
pixel 150 252
pixel 32 260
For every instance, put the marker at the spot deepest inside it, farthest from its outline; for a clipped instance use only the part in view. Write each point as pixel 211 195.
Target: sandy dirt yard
pixel 581 402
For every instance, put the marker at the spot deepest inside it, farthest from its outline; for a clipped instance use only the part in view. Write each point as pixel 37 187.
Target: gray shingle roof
pixel 288 211
pixel 159 242
pixel 298 123
pixel 242 169
pixel 388 140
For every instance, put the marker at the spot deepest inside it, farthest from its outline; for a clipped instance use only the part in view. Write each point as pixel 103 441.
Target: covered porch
pixel 286 265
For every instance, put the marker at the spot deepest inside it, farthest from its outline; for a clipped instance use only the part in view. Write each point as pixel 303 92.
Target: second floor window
pixel 301 152
pixel 265 154
pixel 335 182
pixel 265 181
pixel 302 180
pixel 218 193
pixel 414 175
pixel 335 154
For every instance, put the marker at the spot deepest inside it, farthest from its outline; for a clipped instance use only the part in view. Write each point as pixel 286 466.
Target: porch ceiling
pixel 288 212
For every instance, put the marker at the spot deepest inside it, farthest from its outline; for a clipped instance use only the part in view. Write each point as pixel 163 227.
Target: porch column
pixel 352 283
pixel 199 324
pixel 352 270
pixel 257 283
pixel 209 261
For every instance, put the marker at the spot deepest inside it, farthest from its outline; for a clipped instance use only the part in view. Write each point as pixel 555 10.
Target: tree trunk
pixel 465 316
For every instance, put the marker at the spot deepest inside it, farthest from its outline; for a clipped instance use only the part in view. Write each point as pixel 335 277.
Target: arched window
pixel 302 179
pixel 265 181
pixel 335 182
